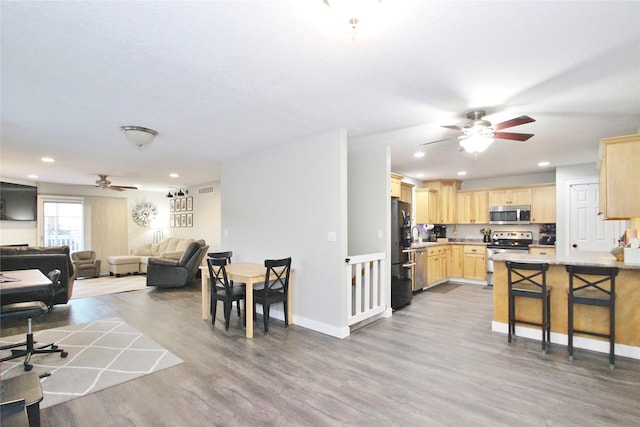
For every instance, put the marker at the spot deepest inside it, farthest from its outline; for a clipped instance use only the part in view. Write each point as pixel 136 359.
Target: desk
pixel 27 281
pixel 241 272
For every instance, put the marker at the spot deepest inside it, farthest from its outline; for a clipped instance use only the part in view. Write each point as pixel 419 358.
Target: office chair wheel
pixel 28 367
pixel 64 354
pixel 54 347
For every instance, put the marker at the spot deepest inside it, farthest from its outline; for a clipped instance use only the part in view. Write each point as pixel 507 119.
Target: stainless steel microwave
pixel 510 214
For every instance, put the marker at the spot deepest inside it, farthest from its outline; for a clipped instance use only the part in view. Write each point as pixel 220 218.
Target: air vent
pixel 205 190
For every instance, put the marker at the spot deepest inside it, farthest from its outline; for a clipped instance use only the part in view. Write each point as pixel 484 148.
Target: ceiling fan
pixel 103 182
pixel 478 134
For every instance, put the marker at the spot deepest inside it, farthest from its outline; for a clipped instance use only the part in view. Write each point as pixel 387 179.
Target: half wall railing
pixel 367 278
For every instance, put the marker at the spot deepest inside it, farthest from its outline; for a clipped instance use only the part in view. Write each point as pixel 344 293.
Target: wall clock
pixel 143 213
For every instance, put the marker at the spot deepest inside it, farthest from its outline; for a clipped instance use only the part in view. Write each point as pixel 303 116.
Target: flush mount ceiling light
pixel 138 135
pixel 353 12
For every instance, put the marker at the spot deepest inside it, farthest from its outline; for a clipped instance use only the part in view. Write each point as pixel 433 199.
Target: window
pixel 63 224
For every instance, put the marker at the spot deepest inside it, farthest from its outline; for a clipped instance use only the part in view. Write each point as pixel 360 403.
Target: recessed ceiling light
pixel 418 154
pixel 420 175
pixel 462 173
pixel 33 176
pixel 543 164
pixel 47 159
pixel 174 175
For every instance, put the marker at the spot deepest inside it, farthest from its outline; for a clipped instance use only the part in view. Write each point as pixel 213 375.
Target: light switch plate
pixel 331 236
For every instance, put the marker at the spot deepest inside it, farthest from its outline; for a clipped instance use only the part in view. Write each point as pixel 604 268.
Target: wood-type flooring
pixel 433 363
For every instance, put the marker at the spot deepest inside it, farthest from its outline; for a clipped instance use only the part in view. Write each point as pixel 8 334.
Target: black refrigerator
pixel 401 270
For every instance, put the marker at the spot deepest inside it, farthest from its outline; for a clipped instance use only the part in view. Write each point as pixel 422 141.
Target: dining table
pixel 248 273
pixel 17 281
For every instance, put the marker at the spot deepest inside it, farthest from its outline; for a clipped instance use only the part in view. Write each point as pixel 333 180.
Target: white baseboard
pixel 563 339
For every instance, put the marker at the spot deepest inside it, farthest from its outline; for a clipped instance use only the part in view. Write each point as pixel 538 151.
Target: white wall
pixel 283 202
pixel 509 181
pixel 369 201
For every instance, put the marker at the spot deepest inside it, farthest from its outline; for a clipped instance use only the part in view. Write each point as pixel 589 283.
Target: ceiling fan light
pixel 138 135
pixel 475 143
pixel 352 12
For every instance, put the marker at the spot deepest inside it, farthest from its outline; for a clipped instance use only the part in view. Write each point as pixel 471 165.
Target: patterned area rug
pixel 105 285
pixel 102 354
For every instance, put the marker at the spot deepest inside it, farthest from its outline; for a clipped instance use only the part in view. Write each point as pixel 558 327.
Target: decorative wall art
pixel 179 220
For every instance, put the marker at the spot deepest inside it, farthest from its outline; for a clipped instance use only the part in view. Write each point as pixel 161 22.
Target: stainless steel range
pixel 506 241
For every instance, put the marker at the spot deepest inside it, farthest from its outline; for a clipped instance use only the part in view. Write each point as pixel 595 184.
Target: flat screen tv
pixel 18 202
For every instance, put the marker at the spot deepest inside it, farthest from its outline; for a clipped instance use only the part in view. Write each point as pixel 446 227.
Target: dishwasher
pixel 420 270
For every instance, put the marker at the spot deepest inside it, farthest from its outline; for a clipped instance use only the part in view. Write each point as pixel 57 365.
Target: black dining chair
pixel 226 255
pixel 221 290
pixel 275 289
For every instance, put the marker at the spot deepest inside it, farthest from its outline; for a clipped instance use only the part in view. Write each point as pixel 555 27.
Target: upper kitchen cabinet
pixel 510 196
pixel 543 204
pixel 473 207
pixel 426 206
pixel 396 186
pixel 406 192
pixel 447 199
pixel 619 177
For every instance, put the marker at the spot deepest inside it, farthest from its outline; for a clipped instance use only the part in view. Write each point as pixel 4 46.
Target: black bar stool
pixel 590 288
pixel 529 280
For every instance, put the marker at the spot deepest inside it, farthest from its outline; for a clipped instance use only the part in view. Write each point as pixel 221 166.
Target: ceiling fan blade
pixel 123 187
pixel 512 136
pixel 452 127
pixel 514 122
pixel 438 140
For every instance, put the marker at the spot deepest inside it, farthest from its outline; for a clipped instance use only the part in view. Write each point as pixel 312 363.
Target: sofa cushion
pixel 142 250
pixel 183 244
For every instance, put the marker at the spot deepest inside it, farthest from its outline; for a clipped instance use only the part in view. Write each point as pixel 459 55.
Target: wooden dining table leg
pixel 249 309
pixel 206 296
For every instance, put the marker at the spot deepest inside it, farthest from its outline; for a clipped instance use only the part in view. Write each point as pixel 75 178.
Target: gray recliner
pixel 164 272
pixel 86 264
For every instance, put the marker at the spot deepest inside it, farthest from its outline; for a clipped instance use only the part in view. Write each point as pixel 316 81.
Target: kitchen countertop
pixel 537 245
pixel 422 245
pixel 595 259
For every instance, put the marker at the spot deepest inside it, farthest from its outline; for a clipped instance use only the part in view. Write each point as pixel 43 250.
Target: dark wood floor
pixel 435 362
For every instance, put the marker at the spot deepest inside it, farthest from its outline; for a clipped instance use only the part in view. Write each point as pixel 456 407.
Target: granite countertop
pixel 422 245
pixel 595 259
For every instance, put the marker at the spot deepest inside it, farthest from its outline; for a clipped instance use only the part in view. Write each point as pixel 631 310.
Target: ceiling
pixel 219 79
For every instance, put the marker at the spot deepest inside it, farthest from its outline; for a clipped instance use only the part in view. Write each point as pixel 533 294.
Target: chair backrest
pixel 277 275
pixel 218 274
pixel 527 275
pixel 596 285
pixel 226 255
pixel 189 253
pixel 83 257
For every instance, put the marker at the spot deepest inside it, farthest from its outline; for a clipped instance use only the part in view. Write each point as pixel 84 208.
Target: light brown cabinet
pixel 426 200
pixel 437 264
pixel 447 199
pixel 406 192
pixel 543 204
pixel 475 262
pixel 473 207
pixel 619 177
pixel 551 250
pixel 456 261
pixel 396 186
pixel 510 196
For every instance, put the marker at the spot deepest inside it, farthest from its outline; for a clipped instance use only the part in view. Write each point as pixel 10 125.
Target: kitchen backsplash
pixel 471 231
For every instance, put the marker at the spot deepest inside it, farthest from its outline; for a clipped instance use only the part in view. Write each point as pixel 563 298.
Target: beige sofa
pixel 137 262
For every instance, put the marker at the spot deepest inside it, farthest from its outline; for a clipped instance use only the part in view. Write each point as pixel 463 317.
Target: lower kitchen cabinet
pixel 456 261
pixel 551 250
pixel 475 262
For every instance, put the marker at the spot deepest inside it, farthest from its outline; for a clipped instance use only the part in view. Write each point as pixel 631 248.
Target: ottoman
pixel 123 264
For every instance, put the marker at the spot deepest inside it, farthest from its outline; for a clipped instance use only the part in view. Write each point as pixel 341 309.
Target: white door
pixel 588 230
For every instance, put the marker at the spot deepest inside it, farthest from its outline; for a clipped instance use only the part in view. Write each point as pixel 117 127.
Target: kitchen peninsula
pixel 627 301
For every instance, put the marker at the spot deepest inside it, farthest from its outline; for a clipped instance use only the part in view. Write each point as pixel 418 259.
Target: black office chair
pixel 30 310
pixel 221 290
pixel 275 289
pixel 588 286
pixel 529 280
